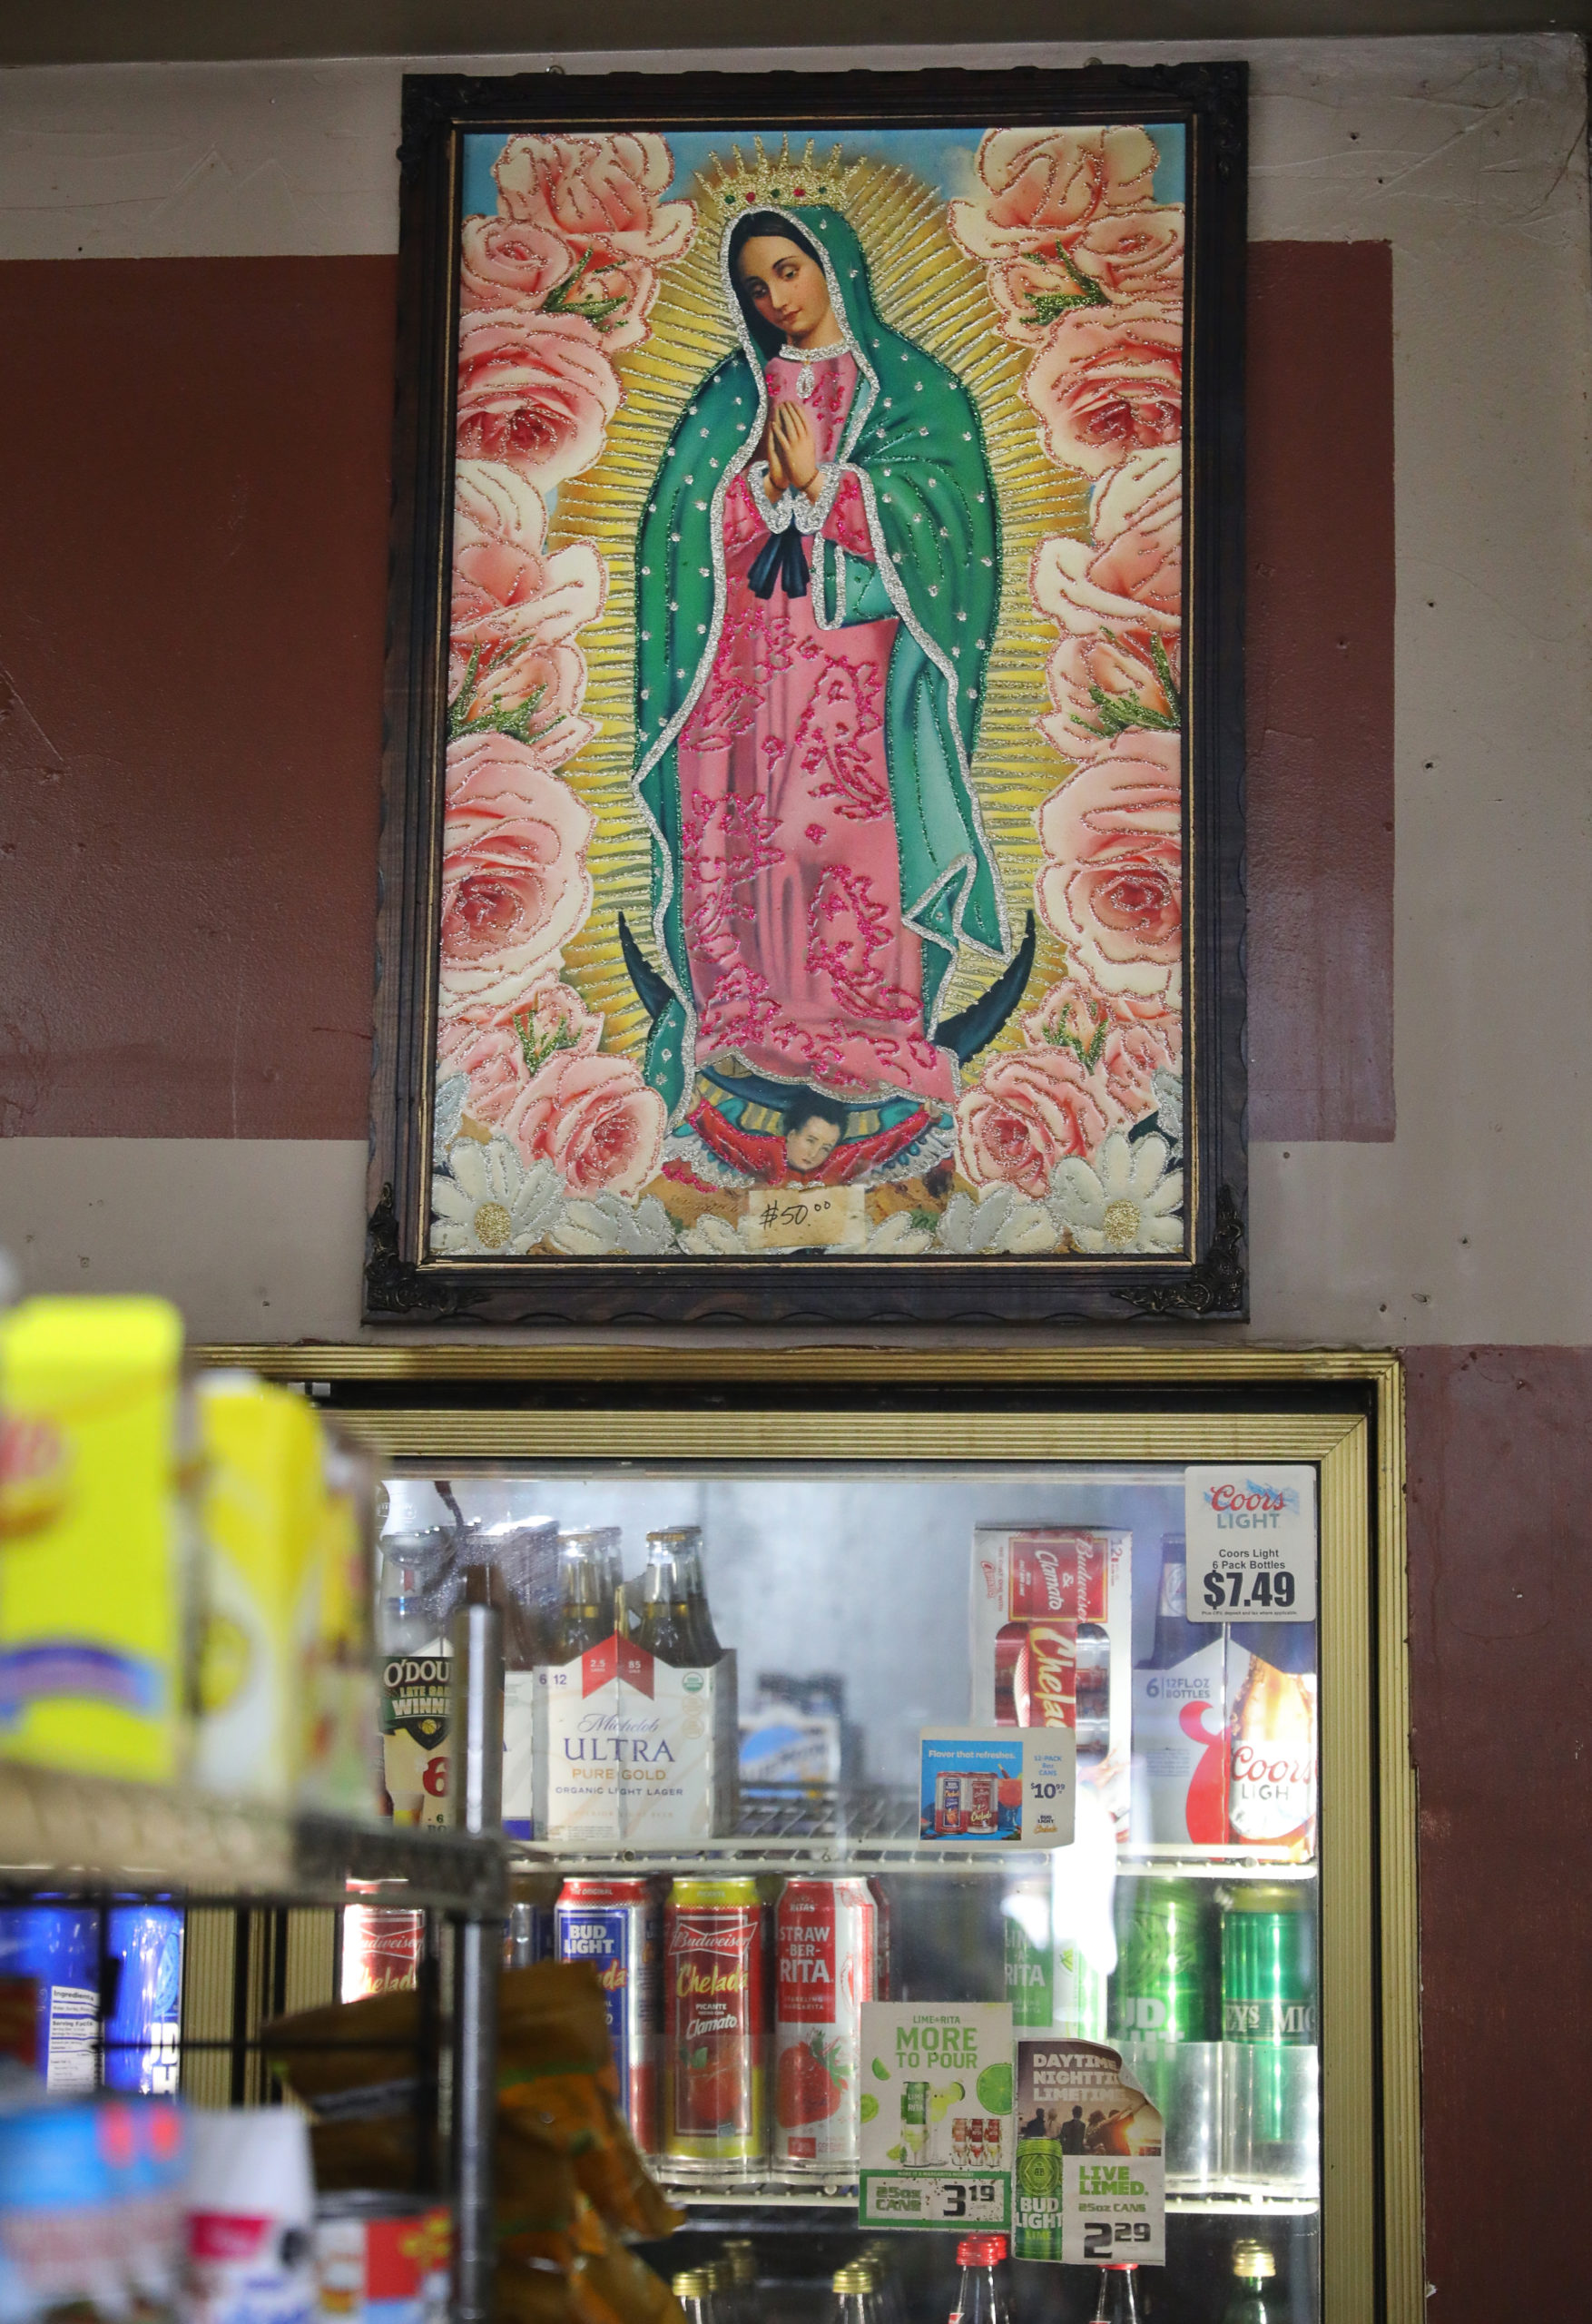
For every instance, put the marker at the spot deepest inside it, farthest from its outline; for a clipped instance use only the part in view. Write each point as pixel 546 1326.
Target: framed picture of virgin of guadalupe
pixel 814 786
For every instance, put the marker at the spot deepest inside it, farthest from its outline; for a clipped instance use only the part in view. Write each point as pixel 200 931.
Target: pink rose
pixel 600 192
pixel 1130 576
pixel 1108 383
pixel 503 263
pixel 1132 1052
pixel 517 614
pixel 1130 255
pixel 491 1059
pixel 494 503
pixel 1119 665
pixel 1045 184
pixel 513 885
pixel 1071 1015
pixel 1111 886
pixel 1032 1109
pixel 594 1119
pixel 535 392
pixel 1076 1013
pixel 556 1019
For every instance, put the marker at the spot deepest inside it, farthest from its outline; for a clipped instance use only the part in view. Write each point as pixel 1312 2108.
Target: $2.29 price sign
pixel 1252 1542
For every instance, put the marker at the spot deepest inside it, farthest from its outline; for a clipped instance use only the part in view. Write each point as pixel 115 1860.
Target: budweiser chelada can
pixel 715 2123
pixel 826 1953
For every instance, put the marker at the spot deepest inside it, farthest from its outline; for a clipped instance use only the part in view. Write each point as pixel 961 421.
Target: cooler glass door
pixel 941 1803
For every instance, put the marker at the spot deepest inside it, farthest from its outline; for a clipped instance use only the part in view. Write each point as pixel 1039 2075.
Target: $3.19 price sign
pixel 903 2199
pixel 1252 1542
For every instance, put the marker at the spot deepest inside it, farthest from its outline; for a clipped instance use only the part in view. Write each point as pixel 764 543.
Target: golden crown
pixel 778 181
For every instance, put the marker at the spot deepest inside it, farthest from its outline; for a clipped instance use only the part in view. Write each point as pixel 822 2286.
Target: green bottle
pixel 1254 2267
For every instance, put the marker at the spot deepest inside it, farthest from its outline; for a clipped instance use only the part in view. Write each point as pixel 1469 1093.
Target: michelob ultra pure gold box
pixel 91 1574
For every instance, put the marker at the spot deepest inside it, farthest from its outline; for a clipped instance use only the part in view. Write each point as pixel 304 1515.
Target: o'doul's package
pixel 936 2114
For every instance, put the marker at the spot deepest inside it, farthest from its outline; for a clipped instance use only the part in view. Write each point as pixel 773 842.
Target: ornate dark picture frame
pixel 604 1088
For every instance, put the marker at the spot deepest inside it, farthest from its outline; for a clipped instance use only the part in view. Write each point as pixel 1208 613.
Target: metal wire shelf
pixel 868 1827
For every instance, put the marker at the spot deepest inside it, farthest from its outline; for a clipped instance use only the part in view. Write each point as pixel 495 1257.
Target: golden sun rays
pixel 928 288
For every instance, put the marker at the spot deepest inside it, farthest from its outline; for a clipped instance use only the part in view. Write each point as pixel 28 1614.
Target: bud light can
pixel 58 1947
pixel 614 1925
pixel 1271 2078
pixel 1165 2018
pixel 144 1943
pixel 826 1955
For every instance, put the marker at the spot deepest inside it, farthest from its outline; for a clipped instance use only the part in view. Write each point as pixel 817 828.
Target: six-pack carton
pixel 629 1748
pixel 1052 1641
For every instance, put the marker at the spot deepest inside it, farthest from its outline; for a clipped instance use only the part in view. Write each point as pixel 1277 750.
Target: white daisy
pixel 487 1206
pixel 1129 1201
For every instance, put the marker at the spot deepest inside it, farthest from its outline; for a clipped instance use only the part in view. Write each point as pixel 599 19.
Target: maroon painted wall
pixel 1500 1484
pixel 193 494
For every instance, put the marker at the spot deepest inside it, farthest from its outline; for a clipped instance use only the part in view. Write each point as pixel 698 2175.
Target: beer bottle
pixel 675 1624
pixel 705 1646
pixel 1176 1638
pixel 1254 2266
pixel 694 2288
pixel 584 1620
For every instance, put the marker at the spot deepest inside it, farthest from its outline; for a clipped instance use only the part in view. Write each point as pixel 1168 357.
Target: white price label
pixel 910 2199
pixel 1113 2210
pixel 1252 1542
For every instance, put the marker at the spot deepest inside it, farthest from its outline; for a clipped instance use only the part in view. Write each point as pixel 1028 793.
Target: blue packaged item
pixel 142 2030
pixel 58 1947
pixel 91 2207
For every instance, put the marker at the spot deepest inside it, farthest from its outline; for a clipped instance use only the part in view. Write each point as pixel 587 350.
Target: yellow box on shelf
pixel 286 1708
pixel 91 1575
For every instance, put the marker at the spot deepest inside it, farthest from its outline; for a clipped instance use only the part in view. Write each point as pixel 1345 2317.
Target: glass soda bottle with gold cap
pixel 1117 2297
pixel 1254 2267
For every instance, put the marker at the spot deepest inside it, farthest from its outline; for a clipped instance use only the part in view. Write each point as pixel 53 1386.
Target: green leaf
pixel 1046 307
pixel 561 300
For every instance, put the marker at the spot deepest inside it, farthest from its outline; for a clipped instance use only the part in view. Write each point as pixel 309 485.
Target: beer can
pixel 883 1975
pixel 1165 2017
pixel 1037 2184
pixel 58 1947
pixel 144 2025
pixel 1270 2092
pixel 947 1804
pixel 382 2258
pixel 982 1817
pixel 826 1955
pixel 382 1949
pixel 1025 1914
pixel 715 2031
pixel 528 1936
pixel 1165 1985
pixel 613 1924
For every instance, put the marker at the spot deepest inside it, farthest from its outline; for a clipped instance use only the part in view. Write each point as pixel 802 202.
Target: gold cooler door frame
pixel 1371 2148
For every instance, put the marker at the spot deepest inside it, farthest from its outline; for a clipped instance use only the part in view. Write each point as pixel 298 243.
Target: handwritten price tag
pixel 794 1218
pixel 1252 1542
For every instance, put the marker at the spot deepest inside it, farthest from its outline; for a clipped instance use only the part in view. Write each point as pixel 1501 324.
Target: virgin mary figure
pixel 817 582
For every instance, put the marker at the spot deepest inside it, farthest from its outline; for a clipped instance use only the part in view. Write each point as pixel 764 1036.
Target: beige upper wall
pixel 1469 156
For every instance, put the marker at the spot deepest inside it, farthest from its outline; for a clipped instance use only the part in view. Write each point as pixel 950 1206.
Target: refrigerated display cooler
pixel 981 1781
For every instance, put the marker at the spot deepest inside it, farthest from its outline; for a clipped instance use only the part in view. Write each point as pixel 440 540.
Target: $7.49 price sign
pixel 1252 1542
